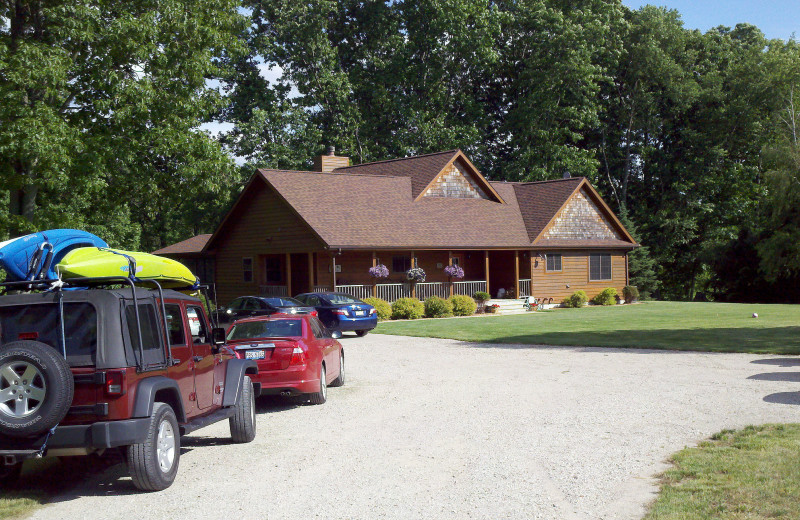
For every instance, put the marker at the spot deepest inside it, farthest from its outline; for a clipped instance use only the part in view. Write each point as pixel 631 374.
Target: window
pixel 267 329
pixel 318 328
pixel 553 262
pixel 272 269
pixel 312 301
pixel 175 322
pixel 247 269
pixel 600 267
pixel 42 323
pixel 401 263
pixel 151 329
pixel 197 325
pixel 236 304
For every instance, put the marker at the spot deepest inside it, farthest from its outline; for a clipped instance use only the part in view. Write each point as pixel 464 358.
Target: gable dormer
pixel 455 182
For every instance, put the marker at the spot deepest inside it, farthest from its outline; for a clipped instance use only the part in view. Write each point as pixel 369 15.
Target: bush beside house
pixel 408 309
pixel 606 297
pixel 382 308
pixel 436 307
pixel 577 299
pixel 463 305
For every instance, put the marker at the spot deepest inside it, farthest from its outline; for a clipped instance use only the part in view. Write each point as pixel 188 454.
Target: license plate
pixel 254 354
pixel 361 313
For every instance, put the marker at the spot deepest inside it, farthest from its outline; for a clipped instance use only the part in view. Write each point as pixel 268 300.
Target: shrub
pixel 463 305
pixel 578 299
pixel 382 307
pixel 436 307
pixel 606 297
pixel 630 293
pixel 407 308
pixel 482 296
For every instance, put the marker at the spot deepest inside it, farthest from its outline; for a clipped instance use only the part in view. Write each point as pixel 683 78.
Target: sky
pixel 775 18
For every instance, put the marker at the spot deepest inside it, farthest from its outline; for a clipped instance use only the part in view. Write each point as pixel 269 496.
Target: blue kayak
pixel 35 256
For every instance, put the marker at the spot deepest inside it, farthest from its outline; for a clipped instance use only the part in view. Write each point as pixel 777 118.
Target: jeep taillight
pixel 298 357
pixel 115 383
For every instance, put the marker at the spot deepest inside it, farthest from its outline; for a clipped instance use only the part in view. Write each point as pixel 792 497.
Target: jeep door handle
pixel 176 361
pixel 197 359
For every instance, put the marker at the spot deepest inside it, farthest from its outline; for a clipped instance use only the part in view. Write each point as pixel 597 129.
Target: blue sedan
pixel 339 311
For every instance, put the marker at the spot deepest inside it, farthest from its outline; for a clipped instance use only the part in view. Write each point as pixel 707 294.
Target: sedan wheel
pixel 322 395
pixel 339 381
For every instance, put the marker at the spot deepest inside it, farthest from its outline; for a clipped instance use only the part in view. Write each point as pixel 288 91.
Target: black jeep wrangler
pixel 102 367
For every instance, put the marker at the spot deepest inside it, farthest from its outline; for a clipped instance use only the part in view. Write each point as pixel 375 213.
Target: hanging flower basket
pixel 416 274
pixel 379 271
pixel 454 271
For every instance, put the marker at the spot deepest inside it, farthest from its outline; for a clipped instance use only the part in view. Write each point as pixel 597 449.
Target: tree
pixel 99 115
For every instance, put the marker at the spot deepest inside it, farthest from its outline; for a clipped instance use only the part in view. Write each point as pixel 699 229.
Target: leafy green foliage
pixel 630 293
pixel 382 307
pixel 436 307
pixel 407 309
pixel 463 305
pixel 575 300
pixel 605 297
pixel 482 296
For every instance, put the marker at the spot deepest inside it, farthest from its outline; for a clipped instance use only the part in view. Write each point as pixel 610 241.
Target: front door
pixel 181 368
pixel 202 356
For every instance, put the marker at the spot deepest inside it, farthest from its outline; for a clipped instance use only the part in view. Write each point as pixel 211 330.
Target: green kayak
pixel 92 262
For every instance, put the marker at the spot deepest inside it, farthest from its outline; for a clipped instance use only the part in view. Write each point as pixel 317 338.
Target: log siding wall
pixel 575 273
pixel 261 225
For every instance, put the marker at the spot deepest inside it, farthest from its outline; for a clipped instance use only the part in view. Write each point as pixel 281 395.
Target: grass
pixel 753 473
pixel 710 327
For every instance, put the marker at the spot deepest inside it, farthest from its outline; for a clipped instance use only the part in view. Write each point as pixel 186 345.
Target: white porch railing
pixel 524 287
pixel 393 291
pixel 273 290
pixel 427 289
pixel 321 288
pixel 356 291
pixel 469 288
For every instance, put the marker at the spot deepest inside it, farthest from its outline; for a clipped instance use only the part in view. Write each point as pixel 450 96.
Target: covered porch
pixel 348 272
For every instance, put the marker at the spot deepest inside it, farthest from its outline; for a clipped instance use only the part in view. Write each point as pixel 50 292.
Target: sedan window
pixel 337 298
pixel 266 329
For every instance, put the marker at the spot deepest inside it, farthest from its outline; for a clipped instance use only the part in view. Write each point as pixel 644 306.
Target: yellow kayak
pixel 94 262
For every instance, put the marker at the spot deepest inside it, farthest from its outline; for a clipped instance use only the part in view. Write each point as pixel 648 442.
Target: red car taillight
pixel 115 383
pixel 314 313
pixel 298 357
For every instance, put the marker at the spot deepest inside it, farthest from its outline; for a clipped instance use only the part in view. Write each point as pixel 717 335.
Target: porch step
pixel 509 306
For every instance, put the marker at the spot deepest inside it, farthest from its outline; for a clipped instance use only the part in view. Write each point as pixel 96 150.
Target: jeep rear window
pixel 40 322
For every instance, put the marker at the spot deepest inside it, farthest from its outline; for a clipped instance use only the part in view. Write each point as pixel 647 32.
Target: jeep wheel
pixel 153 464
pixel 243 422
pixel 322 395
pixel 9 474
pixel 36 388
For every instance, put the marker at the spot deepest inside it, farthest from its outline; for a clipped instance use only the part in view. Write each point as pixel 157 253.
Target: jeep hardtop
pixel 85 370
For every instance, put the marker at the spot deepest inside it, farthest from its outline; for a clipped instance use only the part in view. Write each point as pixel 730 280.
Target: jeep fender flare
pixel 237 369
pixel 165 389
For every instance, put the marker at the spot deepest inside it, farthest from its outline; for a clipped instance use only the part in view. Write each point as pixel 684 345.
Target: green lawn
pixel 713 327
pixel 753 473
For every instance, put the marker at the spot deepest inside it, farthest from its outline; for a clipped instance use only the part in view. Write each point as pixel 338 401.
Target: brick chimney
pixel 330 161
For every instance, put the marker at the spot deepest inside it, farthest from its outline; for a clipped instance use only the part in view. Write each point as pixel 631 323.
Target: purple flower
pixel 454 271
pixel 416 274
pixel 379 271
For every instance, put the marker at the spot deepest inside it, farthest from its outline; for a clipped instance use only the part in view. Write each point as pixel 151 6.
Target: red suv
pixel 88 370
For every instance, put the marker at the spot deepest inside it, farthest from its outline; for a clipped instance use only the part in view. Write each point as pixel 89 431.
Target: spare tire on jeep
pixel 36 388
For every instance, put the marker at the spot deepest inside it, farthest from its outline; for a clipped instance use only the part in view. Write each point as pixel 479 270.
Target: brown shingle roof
pixel 539 201
pixel 188 246
pixel 421 169
pixel 361 211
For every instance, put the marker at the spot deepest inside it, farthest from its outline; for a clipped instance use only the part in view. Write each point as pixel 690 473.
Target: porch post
pixel 310 272
pixel 450 262
pixel 374 280
pixel 532 264
pixel 333 272
pixel 413 285
pixel 486 271
pixel 289 274
pixel 516 273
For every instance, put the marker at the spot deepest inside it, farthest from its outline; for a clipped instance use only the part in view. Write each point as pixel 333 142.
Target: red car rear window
pixel 290 328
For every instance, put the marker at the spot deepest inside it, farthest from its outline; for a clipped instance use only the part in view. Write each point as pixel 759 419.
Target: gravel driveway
pixel 441 429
